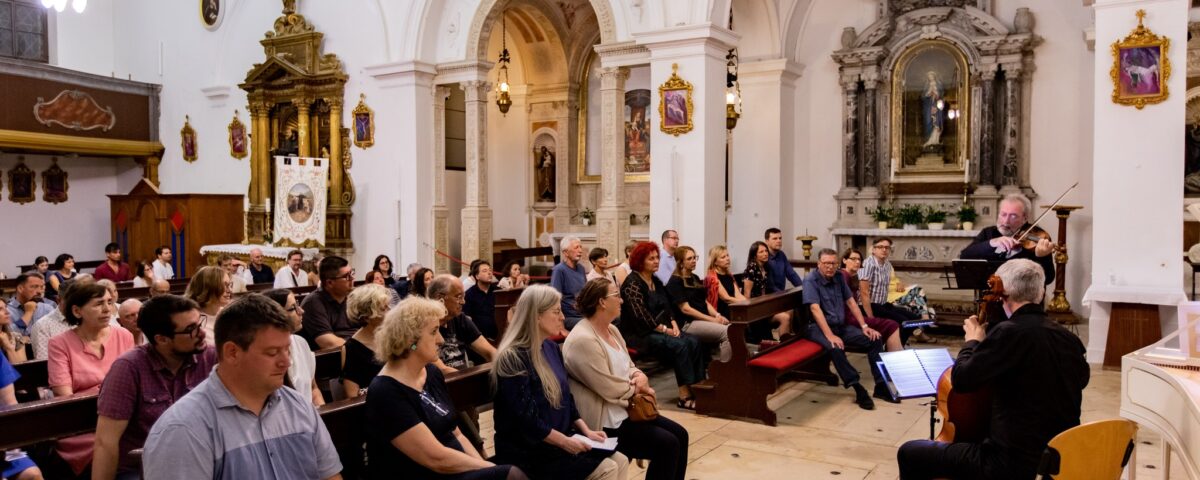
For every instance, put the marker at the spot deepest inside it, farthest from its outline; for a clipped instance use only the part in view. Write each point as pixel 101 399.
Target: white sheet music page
pixel 915 372
pixel 608 444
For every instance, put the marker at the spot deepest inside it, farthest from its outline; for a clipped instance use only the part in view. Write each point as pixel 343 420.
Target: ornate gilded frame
pixel 1141 37
pixel 187 134
pixel 52 176
pixel 21 178
pixel 363 111
pixel 675 84
pixel 897 106
pixel 216 23
pixel 237 130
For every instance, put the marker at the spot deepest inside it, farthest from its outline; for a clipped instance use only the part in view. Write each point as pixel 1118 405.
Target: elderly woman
pixel 603 379
pixel 365 307
pixel 690 299
pixel 648 326
pixel 64 269
pixel 211 288
pixel 111 286
pixel 535 412
pixel 377 278
pixel 303 370
pixel 513 278
pixel 411 422
pixel 419 285
pixel 81 357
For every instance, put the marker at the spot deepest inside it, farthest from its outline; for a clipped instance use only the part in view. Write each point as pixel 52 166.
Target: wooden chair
pixel 1094 451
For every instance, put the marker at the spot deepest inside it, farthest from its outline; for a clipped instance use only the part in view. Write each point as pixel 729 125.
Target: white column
pixel 687 175
pixel 1137 160
pixel 441 214
pixel 476 216
pixel 612 218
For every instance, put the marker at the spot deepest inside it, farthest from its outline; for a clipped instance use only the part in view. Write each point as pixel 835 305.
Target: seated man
pixel 160 287
pixel 481 299
pixel 113 268
pixel 828 297
pixel 257 272
pixel 162 263
pixel 568 277
pixel 458 331
pixel 54 322
pixel 402 286
pixel 874 282
pixel 291 275
pixel 996 243
pixel 324 322
pixel 234 268
pixel 127 315
pixel 1026 357
pixel 241 422
pixel 145 381
pixel 29 304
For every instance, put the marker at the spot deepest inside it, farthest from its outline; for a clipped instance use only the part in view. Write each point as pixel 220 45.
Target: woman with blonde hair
pixel 720 287
pixel 365 307
pixel 411 423
pixel 211 288
pixel 535 412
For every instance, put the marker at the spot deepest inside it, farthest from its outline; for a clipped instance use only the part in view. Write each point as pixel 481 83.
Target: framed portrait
pixel 237 138
pixel 54 184
pixel 211 13
pixel 187 140
pixel 20 183
pixel 364 123
pixel 1140 67
pixel 675 104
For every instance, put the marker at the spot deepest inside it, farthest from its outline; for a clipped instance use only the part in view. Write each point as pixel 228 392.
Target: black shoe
pixel 882 393
pixel 862 398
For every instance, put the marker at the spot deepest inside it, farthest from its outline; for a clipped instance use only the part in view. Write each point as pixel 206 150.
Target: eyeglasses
pixel 614 294
pixel 349 277
pixel 885 247
pixel 192 330
pixel 853 259
pixel 292 308
pixel 828 264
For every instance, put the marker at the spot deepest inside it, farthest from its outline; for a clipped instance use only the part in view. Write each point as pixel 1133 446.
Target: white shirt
pixel 47 327
pixel 284 278
pixel 163 270
pixel 618 361
pixel 139 283
pixel 304 366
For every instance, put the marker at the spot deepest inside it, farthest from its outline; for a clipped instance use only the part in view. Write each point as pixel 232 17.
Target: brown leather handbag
pixel 643 407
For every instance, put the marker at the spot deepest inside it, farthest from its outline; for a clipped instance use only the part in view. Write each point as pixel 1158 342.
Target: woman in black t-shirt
pixel 411 422
pixel 365 307
pixel 690 300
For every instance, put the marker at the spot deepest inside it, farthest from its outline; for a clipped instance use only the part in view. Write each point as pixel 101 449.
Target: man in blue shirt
pixel 779 269
pixel 29 304
pixel 568 277
pixel 666 256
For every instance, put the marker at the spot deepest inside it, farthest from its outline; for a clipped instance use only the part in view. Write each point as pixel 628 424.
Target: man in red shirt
pixel 113 268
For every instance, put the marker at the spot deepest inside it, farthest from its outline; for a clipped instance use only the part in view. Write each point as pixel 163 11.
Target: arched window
pixel 23 30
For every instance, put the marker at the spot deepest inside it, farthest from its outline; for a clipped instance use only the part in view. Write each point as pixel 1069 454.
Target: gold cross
pixel 1141 14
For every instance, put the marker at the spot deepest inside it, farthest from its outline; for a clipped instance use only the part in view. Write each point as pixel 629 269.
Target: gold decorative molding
pixel 679 86
pixel 1141 38
pixel 49 142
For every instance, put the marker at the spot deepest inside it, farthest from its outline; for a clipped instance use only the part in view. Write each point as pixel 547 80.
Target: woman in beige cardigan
pixel 603 378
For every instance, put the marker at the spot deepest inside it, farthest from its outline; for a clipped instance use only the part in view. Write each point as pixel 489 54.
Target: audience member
pixel 54 322
pixel 622 269
pixel 312 266
pixel 755 284
pixel 148 379
pixel 666 256
pixel 303 370
pixel 366 308
pixel 377 278
pixel 603 379
pixel 111 286
pixel 41 265
pixel 81 357
pixel 256 271
pixel 779 268
pixel 11 341
pixel 160 287
pixel 162 263
pixel 15 465
pixel 411 426
pixel 28 305
pixel 143 274
pixel 64 269
pixel 419 285
pixel 829 298
pixel 209 288
pixel 404 285
pixel 535 415
pixel 113 268
pixel 598 257
pixel 568 277
pixel 127 315
pixel 889 330
pixel 647 324
pixel 513 278
pixel 240 423
pixel 690 299
pixel 481 298
pixel 874 280
pixel 234 268
pixel 325 322
pixel 383 265
pixel 291 275
pixel 720 287
pixel 458 332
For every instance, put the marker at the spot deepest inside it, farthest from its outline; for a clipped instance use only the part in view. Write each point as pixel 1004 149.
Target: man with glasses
pixel 459 334
pixel 874 279
pixel 325 321
pixel 144 381
pixel 291 275
pixel 232 266
pixel 666 256
pixel 997 243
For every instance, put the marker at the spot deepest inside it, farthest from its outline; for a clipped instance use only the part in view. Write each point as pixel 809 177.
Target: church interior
pixel 438 132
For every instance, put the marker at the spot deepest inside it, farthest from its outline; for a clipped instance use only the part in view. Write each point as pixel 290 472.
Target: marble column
pixel 476 215
pixel 441 213
pixel 1010 175
pixel 302 108
pixel 612 218
pixel 850 130
pixel 870 152
pixel 987 124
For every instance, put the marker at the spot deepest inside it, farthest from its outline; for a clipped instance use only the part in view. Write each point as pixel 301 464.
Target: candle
pixel 966 171
pixel 893 169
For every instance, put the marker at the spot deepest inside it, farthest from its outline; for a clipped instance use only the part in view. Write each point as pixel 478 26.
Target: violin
pixel 966 417
pixel 1029 238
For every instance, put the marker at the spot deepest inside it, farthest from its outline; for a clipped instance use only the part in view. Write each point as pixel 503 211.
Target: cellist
pixel 999 243
pixel 1036 370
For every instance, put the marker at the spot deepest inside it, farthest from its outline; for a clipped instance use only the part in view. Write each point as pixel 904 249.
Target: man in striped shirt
pixel 874 278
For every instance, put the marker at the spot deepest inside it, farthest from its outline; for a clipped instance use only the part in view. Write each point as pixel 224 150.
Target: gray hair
pixel 1024 280
pixel 365 303
pixel 412 268
pixel 1019 199
pixel 440 286
pixel 827 252
pixel 128 305
pixel 567 241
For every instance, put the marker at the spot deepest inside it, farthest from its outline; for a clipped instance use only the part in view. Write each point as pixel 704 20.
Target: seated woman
pixel 535 413
pixel 12 343
pixel 600 269
pixel 888 329
pixel 604 378
pixel 383 265
pixel 690 299
pixel 377 278
pixel 211 288
pixel 513 278
pixel 647 324
pixel 411 422
pixel 303 370
pixel 63 270
pixel 365 307
pixel 419 284
pixel 143 274
pixel 16 465
pixel 719 285
pixel 81 357
pixel 755 284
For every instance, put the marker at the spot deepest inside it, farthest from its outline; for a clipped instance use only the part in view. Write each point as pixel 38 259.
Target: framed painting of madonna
pixel 930 110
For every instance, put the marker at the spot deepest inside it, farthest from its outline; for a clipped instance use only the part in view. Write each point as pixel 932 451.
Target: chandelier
pixel 733 90
pixel 503 101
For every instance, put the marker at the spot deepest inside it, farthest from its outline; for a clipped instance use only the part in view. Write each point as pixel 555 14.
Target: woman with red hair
pixel 648 326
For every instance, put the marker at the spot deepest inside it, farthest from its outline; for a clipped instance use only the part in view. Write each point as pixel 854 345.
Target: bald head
pixel 256 257
pixel 128 313
pixel 160 287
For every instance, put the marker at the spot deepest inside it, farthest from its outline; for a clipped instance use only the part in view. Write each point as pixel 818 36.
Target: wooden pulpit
pixel 145 219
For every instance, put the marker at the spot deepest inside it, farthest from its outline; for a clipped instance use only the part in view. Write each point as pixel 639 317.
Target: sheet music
pixel 915 373
pixel 608 444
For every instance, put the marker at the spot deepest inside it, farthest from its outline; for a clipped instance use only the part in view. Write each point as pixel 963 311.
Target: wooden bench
pixel 34 374
pixel 741 386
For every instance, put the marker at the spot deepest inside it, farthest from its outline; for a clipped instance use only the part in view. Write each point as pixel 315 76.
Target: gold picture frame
pixel 21 183
pixel 1140 67
pixel 238 141
pixel 364 123
pixel 675 104
pixel 54 184
pixel 187 140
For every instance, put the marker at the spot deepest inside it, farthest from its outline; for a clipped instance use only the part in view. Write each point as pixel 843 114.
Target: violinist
pixel 999 242
pixel 1036 370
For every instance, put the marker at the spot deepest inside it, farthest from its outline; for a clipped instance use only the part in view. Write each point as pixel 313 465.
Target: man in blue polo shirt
pixel 779 269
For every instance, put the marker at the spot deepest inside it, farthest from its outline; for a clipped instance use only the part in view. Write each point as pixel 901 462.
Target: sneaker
pixel 882 393
pixel 862 398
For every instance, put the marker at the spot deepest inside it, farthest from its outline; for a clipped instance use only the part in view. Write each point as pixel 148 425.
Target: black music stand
pixel 914 373
pixel 974 274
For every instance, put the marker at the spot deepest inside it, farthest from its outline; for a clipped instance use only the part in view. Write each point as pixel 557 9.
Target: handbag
pixel 642 407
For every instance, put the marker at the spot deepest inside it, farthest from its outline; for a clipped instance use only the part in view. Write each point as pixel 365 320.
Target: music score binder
pixel 914 373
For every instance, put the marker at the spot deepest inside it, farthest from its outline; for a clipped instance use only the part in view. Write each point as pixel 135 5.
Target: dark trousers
pixel 662 441
pixel 852 337
pixel 927 459
pixel 684 352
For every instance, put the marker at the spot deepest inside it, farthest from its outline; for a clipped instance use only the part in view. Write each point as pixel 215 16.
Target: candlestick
pixel 894 164
pixel 966 171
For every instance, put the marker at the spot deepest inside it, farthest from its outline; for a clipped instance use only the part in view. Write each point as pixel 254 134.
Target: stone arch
pixel 758 24
pixel 490 10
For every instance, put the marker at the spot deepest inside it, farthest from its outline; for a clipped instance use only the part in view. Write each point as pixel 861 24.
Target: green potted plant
pixel 935 217
pixel 910 216
pixel 587 215
pixel 882 215
pixel 967 216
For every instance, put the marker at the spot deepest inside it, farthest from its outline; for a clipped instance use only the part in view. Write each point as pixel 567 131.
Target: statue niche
pixel 930 89
pixel 544 168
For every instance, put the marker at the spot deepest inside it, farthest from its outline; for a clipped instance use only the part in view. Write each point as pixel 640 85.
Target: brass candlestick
pixel 806 241
pixel 1059 303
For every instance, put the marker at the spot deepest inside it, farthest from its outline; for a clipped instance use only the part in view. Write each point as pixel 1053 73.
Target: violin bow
pixel 1048 210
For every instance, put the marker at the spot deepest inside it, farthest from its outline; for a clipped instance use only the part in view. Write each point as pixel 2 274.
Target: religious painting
pixel 20 183
pixel 544 162
pixel 300 203
pixel 1140 67
pixel 299 209
pixel 930 106
pixel 364 124
pixel 187 136
pixel 211 13
pixel 237 137
pixel 637 132
pixel 54 184
pixel 675 104
pixel 1191 133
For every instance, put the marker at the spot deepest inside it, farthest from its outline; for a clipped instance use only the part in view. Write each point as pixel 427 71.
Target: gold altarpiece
pixel 295 103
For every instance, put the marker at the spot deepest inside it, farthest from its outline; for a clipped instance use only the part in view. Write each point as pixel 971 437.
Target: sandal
pixel 688 403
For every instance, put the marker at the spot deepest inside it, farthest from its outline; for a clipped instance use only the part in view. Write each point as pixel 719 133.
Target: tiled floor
pixel 823 434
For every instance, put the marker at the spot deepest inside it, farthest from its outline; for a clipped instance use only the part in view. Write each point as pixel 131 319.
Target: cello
pixel 966 417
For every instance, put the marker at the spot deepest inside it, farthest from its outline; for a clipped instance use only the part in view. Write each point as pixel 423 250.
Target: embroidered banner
pixel 300 202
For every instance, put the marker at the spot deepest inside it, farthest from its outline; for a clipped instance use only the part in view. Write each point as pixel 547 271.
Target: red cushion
pixel 787 356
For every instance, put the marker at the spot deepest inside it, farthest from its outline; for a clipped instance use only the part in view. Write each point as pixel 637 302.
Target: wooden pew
pixel 43 420
pixel 740 387
pixel 34 374
pixel 79 266
pixel 505 301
